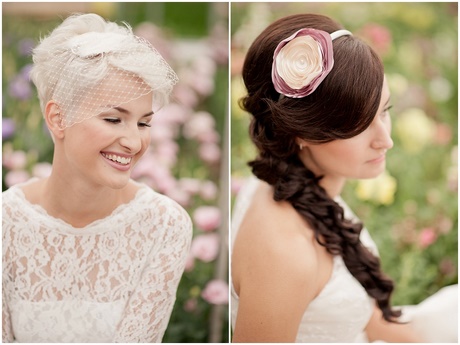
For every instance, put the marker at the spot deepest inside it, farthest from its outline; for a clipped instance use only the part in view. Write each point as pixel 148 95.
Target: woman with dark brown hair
pixel 303 267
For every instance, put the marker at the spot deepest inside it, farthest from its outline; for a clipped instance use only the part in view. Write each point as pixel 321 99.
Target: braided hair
pixel 342 106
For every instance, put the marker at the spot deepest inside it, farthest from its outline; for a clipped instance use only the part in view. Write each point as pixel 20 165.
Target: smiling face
pixel 359 157
pixel 104 148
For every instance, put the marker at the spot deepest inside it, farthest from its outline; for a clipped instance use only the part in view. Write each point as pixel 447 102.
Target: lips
pixel 379 159
pixel 118 161
pixel 116 158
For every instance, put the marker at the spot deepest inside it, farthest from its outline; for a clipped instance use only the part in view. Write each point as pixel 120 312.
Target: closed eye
pixel 386 111
pixel 144 124
pixel 112 120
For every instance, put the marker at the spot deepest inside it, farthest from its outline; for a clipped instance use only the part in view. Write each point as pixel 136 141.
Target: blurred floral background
pixel 186 160
pixel 412 209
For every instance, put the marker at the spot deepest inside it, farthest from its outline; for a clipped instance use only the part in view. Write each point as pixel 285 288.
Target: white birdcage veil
pixel 95 71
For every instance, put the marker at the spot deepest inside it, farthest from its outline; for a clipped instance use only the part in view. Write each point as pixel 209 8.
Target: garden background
pixel 412 210
pixel 186 160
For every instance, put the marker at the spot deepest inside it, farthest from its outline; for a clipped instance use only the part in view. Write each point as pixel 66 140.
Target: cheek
pixel 348 155
pixel 344 151
pixel 145 139
pixel 388 125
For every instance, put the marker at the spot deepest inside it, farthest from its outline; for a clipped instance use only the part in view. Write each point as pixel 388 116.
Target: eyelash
pixel 116 121
pixel 385 111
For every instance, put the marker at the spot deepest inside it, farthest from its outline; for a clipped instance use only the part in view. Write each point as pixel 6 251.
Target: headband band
pixel 302 61
pixel 340 33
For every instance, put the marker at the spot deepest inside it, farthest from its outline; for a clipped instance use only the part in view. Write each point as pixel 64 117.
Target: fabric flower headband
pixel 302 61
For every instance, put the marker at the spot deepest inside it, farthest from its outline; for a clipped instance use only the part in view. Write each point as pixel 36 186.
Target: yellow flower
pixel 105 9
pixel 398 84
pixel 415 129
pixel 380 190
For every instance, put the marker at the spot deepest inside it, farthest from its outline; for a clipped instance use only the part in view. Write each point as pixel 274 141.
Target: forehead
pixel 121 86
pixel 116 89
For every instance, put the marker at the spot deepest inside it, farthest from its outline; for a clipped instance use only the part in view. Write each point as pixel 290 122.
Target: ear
pixel 54 119
pixel 301 143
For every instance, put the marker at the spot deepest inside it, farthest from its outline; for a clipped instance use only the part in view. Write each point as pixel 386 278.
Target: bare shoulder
pixel 274 270
pixel 273 242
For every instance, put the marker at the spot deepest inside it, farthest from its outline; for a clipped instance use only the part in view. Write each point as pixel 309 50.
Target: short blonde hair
pixel 80 52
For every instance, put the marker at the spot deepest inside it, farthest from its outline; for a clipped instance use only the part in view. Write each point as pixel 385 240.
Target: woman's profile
pixel 89 255
pixel 304 269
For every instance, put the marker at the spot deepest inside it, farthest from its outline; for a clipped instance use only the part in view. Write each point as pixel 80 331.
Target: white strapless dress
pixel 342 310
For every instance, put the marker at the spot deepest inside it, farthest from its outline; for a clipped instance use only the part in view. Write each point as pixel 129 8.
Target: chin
pixel 373 174
pixel 369 172
pixel 117 183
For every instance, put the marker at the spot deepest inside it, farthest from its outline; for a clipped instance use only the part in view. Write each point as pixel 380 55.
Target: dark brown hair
pixel 342 106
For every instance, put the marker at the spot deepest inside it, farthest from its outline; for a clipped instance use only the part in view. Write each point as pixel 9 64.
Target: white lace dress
pixel 114 280
pixel 342 310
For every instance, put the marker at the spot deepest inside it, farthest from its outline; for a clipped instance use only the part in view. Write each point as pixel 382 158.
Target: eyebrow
pixel 124 111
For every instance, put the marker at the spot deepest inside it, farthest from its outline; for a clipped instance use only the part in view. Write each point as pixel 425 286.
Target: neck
pixel 332 185
pixel 77 202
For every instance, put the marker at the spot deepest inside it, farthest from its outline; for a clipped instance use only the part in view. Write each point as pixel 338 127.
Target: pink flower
pixel 155 36
pixel 160 177
pixel 301 62
pixel 210 136
pixel 216 292
pixel 190 185
pixel 207 218
pixel 161 132
pixel 204 66
pixel 42 170
pixel 172 114
pixel 427 237
pixel 16 176
pixel 190 305
pixel 14 160
pixel 185 95
pixel 167 152
pixel 208 190
pixel 205 247
pixel 209 152
pixel 203 85
pixel 199 125
pixel 443 134
pixel 379 36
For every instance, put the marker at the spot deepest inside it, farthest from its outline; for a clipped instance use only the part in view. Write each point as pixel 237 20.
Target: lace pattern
pixel 114 280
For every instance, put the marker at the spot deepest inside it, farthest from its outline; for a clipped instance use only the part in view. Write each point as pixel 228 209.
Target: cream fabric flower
pixel 301 62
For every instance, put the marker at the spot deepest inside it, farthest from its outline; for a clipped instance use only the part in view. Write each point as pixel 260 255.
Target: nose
pixel 382 137
pixel 131 139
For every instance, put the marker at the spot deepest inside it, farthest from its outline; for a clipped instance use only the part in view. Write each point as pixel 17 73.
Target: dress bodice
pixel 342 309
pixel 114 280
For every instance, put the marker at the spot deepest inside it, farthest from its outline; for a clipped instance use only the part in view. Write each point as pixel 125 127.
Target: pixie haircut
pixel 88 65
